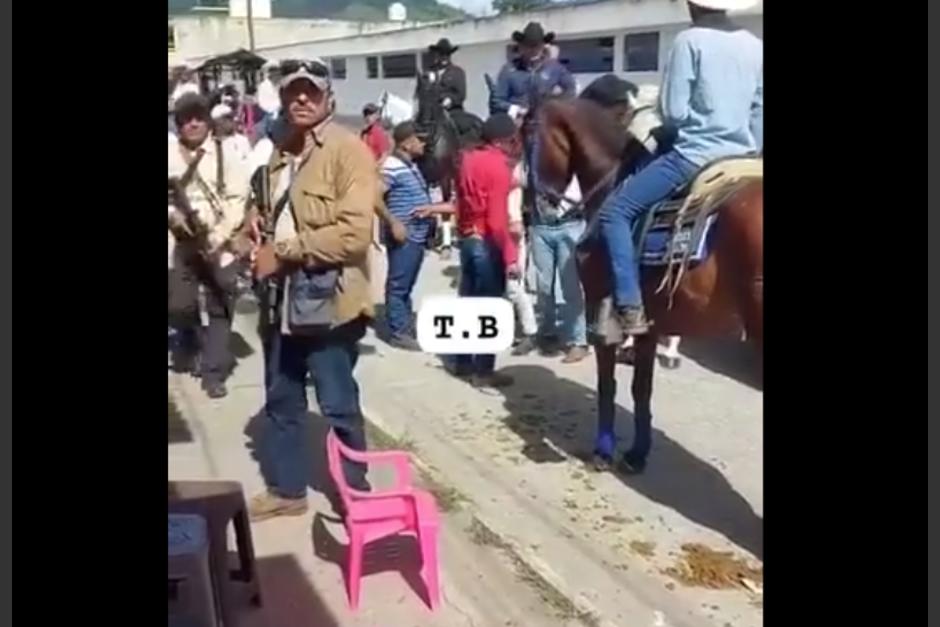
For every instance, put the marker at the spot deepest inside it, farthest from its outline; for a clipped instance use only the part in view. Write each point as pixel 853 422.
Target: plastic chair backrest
pixel 334 458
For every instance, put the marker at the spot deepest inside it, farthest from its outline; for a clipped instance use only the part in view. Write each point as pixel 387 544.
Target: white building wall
pixel 483 45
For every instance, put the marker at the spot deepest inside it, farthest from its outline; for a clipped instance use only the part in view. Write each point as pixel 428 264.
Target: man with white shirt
pixel 268 96
pixel 215 185
pixel 224 127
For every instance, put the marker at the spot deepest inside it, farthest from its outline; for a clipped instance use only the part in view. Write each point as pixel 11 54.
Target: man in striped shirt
pixel 405 192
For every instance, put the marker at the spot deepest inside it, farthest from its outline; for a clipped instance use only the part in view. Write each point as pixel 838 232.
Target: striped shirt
pixel 406 190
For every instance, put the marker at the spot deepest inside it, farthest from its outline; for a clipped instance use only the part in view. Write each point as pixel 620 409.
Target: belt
pixel 571 216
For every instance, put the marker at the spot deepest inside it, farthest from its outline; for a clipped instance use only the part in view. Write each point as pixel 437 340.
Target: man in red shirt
pixel 488 252
pixel 373 134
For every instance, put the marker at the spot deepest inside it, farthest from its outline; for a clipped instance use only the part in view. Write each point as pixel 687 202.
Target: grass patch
pixel 448 498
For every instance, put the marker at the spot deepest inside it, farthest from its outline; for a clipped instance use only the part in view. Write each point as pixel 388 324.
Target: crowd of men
pixel 291 197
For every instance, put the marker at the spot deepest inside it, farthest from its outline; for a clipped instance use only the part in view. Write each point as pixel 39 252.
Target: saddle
pixel 677 229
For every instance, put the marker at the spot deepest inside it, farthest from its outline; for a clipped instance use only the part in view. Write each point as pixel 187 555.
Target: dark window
pixel 587 55
pixel 400 65
pixel 170 38
pixel 372 67
pixel 425 61
pixel 641 52
pixel 212 4
pixel 338 67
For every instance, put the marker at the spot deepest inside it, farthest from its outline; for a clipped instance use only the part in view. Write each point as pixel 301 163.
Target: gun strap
pixel 219 168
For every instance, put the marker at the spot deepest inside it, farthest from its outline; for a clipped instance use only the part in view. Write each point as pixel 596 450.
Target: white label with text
pixel 451 325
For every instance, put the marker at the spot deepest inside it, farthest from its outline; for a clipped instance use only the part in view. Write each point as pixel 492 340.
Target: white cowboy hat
pixel 725 5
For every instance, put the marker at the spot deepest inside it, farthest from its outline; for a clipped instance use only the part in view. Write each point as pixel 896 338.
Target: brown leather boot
pixel 269 505
pixel 574 354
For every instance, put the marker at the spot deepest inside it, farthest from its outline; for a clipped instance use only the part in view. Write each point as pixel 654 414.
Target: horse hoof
pixel 601 462
pixel 669 363
pixel 631 464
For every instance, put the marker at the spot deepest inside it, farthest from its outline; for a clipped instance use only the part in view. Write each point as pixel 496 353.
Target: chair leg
pixel 429 567
pixel 246 555
pixel 218 556
pixel 354 568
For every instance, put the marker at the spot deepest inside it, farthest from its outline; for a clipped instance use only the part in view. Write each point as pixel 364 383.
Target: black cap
pixel 370 108
pixel 609 90
pixel 190 106
pixel 498 126
pixel 403 131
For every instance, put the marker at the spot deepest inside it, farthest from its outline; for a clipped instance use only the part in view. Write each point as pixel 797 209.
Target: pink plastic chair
pixel 371 516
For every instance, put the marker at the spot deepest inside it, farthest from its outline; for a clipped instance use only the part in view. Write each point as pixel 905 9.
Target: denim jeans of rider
pixel 482 273
pixel 329 360
pixel 623 209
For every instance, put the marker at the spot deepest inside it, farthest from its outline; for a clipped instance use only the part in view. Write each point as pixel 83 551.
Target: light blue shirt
pixel 713 93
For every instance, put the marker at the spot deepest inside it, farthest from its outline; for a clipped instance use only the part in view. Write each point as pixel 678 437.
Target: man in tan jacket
pixel 217 191
pixel 322 184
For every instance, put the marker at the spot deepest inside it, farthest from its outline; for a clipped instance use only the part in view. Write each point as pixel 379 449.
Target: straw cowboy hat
pixel 443 46
pixel 533 34
pixel 725 5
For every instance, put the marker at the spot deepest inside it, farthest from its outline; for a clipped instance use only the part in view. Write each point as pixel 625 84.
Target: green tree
pixel 517 6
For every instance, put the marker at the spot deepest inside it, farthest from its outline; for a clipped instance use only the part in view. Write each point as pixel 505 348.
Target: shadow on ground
pixel 730 357
pixel 289 598
pixel 399 554
pixel 177 430
pixel 544 408
pixel 452 273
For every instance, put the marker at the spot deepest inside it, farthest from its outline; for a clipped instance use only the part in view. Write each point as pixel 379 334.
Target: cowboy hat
pixel 443 46
pixel 533 34
pixel 725 5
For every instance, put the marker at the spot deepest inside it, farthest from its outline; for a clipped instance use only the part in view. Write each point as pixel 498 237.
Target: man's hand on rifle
pixel 266 262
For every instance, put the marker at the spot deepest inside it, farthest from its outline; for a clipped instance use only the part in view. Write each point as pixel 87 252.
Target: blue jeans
pixel 553 248
pixel 482 273
pixel 330 360
pixel 404 263
pixel 625 206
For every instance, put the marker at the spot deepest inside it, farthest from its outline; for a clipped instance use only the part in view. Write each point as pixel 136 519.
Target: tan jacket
pixel 333 198
pixel 231 204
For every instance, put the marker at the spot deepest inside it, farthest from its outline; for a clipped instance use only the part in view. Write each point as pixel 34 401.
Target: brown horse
pixel 719 295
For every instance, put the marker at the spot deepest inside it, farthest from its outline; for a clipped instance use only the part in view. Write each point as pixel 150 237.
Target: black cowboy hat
pixel 443 46
pixel 533 34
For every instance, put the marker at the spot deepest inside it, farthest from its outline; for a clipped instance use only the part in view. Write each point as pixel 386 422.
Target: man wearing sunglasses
pixel 322 188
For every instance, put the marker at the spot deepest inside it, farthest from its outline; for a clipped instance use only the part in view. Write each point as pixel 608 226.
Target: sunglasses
pixel 316 68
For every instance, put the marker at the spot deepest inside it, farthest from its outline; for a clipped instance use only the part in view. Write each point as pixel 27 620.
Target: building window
pixel 641 52
pixel 425 61
pixel 338 67
pixel 592 55
pixel 400 65
pixel 372 67
pixel 170 38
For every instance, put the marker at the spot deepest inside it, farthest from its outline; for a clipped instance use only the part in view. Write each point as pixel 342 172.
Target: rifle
pixel 197 231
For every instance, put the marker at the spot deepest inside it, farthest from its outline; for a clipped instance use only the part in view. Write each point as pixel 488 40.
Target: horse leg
pixel 634 460
pixel 605 440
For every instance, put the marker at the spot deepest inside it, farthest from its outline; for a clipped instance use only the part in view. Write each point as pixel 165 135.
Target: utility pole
pixel 251 26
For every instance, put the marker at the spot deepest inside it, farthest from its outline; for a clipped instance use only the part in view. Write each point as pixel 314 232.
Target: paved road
pixel 600 541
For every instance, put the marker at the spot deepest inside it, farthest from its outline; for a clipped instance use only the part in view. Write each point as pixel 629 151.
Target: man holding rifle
pixel 207 194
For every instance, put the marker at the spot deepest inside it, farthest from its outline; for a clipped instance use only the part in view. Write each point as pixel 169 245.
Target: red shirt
pixel 483 185
pixel 375 138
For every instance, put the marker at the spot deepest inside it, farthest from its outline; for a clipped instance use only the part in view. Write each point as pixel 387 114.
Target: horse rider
pixel 531 75
pixel 711 101
pixel 215 183
pixel 450 79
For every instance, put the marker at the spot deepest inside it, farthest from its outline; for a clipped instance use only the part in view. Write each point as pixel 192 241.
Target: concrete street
pixel 534 537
